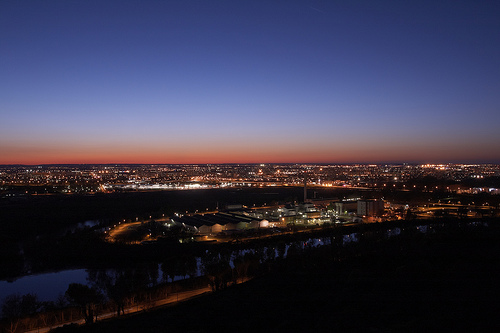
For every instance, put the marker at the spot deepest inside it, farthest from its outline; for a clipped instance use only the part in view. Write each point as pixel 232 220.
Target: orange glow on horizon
pixel 215 156
pixel 263 150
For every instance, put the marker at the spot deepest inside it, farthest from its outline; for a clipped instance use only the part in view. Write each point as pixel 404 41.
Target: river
pixel 49 286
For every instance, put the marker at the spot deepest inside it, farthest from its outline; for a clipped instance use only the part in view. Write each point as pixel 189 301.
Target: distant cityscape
pixel 371 193
pixel 193 229
pixel 87 179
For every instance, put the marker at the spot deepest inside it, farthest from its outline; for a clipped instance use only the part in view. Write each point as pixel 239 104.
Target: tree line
pixel 142 284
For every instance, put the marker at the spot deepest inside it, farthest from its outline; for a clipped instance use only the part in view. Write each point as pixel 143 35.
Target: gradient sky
pixel 249 81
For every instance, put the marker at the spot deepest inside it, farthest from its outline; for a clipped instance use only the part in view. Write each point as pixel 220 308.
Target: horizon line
pixel 258 163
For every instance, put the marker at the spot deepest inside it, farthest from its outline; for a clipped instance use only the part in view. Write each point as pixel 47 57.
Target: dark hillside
pixel 441 282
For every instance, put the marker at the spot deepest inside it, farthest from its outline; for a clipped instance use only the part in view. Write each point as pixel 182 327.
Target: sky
pixel 275 81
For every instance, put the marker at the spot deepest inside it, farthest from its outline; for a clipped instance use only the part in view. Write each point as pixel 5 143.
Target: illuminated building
pixel 370 207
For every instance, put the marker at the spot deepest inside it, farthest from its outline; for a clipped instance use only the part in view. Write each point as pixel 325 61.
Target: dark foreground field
pixel 444 282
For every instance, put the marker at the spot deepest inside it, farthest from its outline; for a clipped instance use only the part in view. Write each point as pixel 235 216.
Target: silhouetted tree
pixel 86 298
pixel 217 269
pixel 240 268
pixel 116 284
pixel 170 268
pixel 11 309
pixel 15 307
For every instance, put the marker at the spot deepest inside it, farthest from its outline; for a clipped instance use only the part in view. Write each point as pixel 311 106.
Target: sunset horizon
pixel 249 82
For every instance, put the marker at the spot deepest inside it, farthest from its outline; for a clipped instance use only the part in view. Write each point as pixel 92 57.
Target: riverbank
pixel 442 281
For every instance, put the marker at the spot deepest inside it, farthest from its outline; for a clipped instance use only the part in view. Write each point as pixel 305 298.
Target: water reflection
pixel 50 285
pixel 393 232
pixel 46 286
pixel 423 228
pixel 351 238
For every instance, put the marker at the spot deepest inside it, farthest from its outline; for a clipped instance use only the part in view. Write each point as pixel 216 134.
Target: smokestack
pixel 305 188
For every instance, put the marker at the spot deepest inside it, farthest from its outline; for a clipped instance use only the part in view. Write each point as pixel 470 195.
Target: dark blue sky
pixel 249 81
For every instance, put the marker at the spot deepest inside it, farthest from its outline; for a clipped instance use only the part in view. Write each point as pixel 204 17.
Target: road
pixel 170 299
pixel 120 228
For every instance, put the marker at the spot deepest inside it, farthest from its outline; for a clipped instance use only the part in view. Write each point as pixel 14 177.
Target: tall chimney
pixel 305 188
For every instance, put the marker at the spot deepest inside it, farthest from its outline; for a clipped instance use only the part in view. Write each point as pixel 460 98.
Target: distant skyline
pixel 171 82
